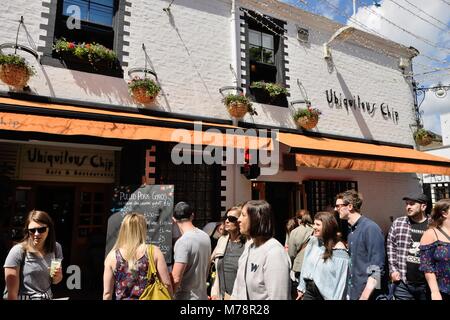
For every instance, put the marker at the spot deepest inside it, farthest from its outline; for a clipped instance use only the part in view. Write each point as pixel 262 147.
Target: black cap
pixel 418 197
pixel 182 210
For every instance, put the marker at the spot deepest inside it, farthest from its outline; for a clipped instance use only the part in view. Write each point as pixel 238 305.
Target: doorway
pixel 58 202
pixel 282 198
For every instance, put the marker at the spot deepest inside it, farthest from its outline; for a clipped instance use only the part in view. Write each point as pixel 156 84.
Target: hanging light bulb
pixel 440 91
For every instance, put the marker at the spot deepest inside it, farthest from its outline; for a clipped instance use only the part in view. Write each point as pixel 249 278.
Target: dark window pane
pixel 268 56
pixel 98 196
pixel 85 220
pixel 85 208
pixel 98 220
pixel 98 208
pixel 255 53
pixel 85 196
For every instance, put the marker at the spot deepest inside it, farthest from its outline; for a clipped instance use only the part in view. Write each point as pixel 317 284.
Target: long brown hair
pixel 329 232
pixel 261 219
pixel 43 218
pixel 437 218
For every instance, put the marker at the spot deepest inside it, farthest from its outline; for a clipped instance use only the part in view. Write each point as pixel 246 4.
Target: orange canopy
pixel 160 129
pixel 347 155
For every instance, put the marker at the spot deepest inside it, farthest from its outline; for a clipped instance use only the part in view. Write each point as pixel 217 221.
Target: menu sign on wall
pixel 48 163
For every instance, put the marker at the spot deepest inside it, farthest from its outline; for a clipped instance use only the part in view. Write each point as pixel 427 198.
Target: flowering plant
pixel 16 60
pixel 93 52
pixel 241 99
pixel 308 112
pixel 150 86
pixel 274 89
pixel 423 137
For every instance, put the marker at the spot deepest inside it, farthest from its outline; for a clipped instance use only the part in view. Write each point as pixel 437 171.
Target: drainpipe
pixel 235 45
pixel 235 69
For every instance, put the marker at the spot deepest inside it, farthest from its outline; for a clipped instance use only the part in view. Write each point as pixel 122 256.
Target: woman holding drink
pixel 28 275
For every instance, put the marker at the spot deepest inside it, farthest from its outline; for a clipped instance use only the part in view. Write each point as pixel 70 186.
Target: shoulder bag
pixel 155 289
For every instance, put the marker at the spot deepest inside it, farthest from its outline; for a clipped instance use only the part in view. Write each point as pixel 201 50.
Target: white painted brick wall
pixel 191 53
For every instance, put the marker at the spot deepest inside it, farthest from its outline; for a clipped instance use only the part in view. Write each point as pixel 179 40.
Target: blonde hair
pixel 132 234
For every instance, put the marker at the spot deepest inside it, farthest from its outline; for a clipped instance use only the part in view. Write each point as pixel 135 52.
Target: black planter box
pixel 262 96
pixel 103 67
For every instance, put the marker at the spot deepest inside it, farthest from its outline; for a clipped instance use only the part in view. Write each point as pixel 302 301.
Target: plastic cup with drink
pixel 55 264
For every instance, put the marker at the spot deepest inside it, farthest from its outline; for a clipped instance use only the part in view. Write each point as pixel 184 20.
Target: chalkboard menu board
pixel 155 202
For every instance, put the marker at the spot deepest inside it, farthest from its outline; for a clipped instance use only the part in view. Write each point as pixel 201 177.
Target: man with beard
pixel 403 250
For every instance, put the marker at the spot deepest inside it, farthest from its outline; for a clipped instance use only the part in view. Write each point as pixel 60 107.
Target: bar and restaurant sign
pixel 48 163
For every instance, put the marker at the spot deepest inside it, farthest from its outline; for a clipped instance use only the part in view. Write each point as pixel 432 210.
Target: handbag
pixel 155 289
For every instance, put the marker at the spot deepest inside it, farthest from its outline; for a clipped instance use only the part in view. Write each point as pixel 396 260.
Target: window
pixel 94 11
pixel 97 21
pixel 261 47
pixel 265 56
pixel 321 196
pixel 197 184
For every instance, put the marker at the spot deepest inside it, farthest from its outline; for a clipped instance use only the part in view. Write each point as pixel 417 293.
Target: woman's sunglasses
pixel 39 230
pixel 232 218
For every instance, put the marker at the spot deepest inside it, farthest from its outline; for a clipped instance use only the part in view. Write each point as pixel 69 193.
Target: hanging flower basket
pixel 423 137
pixel 308 122
pixel 144 90
pixel 307 118
pixel 238 105
pixel 14 70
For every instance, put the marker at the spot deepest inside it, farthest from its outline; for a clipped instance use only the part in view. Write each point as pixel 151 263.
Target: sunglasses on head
pixel 39 230
pixel 232 218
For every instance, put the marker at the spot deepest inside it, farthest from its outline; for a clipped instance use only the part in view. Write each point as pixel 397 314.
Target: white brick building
pixel 195 48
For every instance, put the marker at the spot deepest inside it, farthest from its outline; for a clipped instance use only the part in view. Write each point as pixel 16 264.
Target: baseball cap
pixel 418 197
pixel 182 210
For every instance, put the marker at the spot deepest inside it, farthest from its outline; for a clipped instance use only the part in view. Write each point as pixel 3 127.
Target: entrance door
pixel 89 234
pixel 281 197
pixel 58 202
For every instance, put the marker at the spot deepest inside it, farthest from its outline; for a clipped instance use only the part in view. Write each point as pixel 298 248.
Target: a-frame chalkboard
pixel 155 202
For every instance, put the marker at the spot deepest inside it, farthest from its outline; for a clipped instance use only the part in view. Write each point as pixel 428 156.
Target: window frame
pixel 53 31
pixel 279 56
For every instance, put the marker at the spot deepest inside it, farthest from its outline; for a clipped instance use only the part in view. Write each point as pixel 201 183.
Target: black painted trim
pixel 119 33
pixel 223 188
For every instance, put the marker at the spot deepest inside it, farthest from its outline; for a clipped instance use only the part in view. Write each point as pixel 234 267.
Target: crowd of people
pixel 315 262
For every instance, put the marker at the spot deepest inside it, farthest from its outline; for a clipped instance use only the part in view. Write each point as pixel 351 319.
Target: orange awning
pixel 328 153
pixel 109 125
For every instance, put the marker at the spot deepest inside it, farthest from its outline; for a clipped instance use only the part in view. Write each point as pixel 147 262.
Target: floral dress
pixel 129 284
pixel 435 258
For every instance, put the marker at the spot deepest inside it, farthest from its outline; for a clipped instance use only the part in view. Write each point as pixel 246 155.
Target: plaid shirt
pixel 398 242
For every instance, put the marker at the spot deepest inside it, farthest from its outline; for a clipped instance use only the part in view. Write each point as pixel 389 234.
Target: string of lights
pixel 270 20
pixel 446 2
pixel 263 24
pixel 367 44
pixel 411 12
pixel 418 9
pixel 291 42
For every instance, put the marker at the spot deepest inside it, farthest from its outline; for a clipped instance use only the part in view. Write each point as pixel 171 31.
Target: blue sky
pixel 423 24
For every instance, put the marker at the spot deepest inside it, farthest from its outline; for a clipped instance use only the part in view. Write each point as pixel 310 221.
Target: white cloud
pixel 425 32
